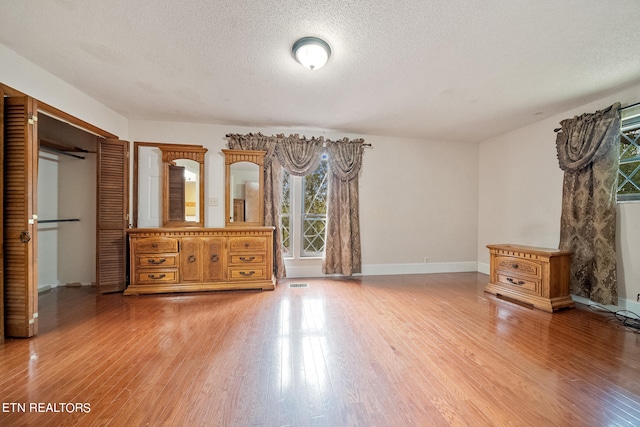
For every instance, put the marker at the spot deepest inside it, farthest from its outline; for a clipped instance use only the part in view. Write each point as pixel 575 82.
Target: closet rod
pixel 45 221
pixel 61 152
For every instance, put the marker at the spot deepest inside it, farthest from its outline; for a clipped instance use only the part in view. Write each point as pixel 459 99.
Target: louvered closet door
pixel 2 213
pixel 20 229
pixel 113 209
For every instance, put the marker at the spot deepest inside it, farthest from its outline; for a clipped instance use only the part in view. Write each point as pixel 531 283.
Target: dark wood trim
pixel 60 115
pixel 2 95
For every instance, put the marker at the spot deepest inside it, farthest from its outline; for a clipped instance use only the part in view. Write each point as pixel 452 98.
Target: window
pixel 629 169
pixel 304 213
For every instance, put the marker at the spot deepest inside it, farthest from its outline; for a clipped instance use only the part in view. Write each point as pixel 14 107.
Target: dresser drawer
pixel 520 283
pixel 521 267
pixel 247 244
pixel 249 273
pixel 247 259
pixel 156 245
pixel 157 261
pixel 158 276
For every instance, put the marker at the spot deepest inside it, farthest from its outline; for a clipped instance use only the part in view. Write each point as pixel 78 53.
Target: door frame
pixel 47 109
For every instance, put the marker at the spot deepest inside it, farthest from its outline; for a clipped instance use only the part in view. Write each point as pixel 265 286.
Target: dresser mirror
pixel 168 185
pixel 244 195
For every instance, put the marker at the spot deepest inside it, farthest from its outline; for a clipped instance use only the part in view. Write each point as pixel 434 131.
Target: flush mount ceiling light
pixel 311 52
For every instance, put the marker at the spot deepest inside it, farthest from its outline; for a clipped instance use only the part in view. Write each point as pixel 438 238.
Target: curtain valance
pixel 585 138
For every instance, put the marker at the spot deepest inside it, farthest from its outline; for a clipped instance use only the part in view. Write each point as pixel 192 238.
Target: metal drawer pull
pixel 514 265
pixel 192 258
pixel 244 273
pixel 519 282
pixel 25 236
pixel 153 276
pixel 154 245
pixel 214 258
pixel 251 258
pixel 157 261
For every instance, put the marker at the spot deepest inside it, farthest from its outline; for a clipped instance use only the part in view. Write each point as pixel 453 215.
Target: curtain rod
pixel 231 135
pixel 46 221
pixel 628 106
pixel 556 130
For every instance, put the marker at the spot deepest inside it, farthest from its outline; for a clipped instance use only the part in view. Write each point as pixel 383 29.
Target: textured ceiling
pixel 440 69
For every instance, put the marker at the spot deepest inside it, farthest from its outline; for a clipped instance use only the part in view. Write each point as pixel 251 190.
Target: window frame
pixel 630 121
pixel 296 218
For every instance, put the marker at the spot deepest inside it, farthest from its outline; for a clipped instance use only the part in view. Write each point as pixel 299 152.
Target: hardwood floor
pixel 375 351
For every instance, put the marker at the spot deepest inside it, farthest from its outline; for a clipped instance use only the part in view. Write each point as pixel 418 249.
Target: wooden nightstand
pixel 531 275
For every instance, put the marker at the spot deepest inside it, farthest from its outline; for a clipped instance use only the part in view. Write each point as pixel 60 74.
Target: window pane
pixel 314 232
pixel 285 210
pixel 629 170
pixel 314 210
pixel 286 194
pixel 286 234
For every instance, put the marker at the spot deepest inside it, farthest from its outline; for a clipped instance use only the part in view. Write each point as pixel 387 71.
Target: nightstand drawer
pixel 521 267
pixel 520 283
pixel 158 261
pixel 158 276
pixel 156 245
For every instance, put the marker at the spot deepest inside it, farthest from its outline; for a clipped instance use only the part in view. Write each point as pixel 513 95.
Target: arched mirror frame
pixel 170 153
pixel 236 156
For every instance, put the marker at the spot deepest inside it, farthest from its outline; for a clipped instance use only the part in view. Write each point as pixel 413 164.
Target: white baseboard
pixel 419 268
pixel 623 304
pixel 46 286
pixel 483 268
pixel 390 269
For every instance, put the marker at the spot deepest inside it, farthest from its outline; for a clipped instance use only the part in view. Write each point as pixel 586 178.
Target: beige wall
pixel 418 198
pixel 520 194
pixel 38 83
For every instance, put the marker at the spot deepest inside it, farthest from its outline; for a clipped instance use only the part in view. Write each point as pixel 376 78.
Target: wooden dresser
pixel 535 276
pixel 200 259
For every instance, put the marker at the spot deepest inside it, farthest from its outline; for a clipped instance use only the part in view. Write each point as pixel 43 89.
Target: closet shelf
pixel 67 150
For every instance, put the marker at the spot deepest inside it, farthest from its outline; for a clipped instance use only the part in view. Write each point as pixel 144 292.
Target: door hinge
pixel 33 119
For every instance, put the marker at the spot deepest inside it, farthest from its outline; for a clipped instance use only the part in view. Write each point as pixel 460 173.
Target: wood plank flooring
pixel 415 350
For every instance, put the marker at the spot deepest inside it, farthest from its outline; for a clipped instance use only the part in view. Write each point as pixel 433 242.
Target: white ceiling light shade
pixel 311 52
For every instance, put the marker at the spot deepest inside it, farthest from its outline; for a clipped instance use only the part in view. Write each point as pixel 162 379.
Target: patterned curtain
pixel 300 156
pixel 343 254
pixel 588 153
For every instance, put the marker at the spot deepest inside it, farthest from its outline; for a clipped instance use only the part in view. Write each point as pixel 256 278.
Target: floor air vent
pixel 298 285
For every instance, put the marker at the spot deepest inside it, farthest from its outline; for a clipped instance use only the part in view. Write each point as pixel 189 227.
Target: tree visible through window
pixel 314 210
pixel 304 212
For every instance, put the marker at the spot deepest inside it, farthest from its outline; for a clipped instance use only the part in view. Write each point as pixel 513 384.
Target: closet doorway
pixel 20 140
pixel 67 164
